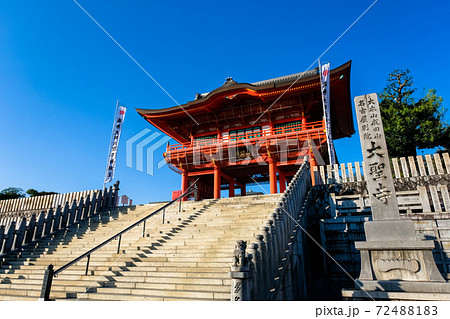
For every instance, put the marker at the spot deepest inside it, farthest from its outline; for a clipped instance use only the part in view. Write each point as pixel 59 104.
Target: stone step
pixel 171 280
pixel 125 287
pixel 35 293
pixel 17 298
pixel 165 293
pixel 59 282
pixel 186 258
pixel 190 249
pixel 74 270
pixel 115 297
pixel 126 263
pixel 173 274
pixel 71 286
pixel 157 253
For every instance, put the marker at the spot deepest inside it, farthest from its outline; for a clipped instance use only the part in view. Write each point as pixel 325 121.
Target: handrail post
pixel 47 284
pixel 164 215
pixel 143 230
pixel 118 245
pixel 87 264
pixel 179 206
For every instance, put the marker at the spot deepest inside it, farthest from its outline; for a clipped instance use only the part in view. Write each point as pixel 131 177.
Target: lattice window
pixel 206 140
pixel 245 133
pixel 288 127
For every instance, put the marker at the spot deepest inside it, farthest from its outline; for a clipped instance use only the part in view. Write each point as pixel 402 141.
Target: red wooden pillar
pixel 243 191
pixel 273 176
pixel 303 120
pixel 312 163
pixel 216 182
pixel 184 182
pixel 231 188
pixel 282 179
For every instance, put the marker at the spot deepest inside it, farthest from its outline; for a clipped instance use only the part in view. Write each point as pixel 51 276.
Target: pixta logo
pixel 144 141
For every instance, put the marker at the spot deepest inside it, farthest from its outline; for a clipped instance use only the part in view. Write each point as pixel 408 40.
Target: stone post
pixel 39 226
pixel 56 219
pixel 276 237
pixel 31 227
pixel 268 244
pixel 110 198
pixel 253 278
pixel 48 222
pixel 87 207
pixel 116 192
pixel 9 238
pixel 289 293
pixel 284 208
pixel 240 289
pixel 265 269
pixel 104 199
pixel 98 203
pixel 391 250
pixel 253 249
pixel 72 213
pixel 20 234
pixel 93 205
pixel 65 215
pixel 2 238
pixel 274 244
pixel 79 210
pixel 282 236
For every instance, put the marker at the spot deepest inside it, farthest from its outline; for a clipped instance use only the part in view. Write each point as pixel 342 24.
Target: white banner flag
pixel 325 84
pixel 117 129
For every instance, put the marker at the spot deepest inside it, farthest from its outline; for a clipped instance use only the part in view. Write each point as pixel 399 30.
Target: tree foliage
pixel 11 193
pixel 411 124
pixel 15 192
pixel 32 192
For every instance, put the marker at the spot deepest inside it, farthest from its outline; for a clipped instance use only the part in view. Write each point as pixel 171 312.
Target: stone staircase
pixel 186 258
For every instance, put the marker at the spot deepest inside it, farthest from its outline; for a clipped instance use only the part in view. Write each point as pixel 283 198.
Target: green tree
pixel 411 124
pixel 32 192
pixel 11 193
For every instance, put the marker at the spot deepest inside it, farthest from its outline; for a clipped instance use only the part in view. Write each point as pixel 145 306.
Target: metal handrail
pixel 50 273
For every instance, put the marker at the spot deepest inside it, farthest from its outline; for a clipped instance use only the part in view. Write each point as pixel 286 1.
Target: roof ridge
pixel 288 77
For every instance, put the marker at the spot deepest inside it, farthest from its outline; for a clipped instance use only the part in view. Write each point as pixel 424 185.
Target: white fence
pixel 427 165
pixel 42 202
pixel 17 229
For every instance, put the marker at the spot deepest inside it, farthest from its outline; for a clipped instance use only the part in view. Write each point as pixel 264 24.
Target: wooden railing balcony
pixel 313 130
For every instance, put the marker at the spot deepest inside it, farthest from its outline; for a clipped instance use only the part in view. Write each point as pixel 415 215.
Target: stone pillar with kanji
pixel 392 259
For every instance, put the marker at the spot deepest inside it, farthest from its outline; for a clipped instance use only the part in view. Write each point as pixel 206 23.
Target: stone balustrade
pixel 266 268
pixel 17 231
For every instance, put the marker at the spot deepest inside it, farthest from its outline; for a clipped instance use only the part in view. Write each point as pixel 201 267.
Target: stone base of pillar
pixel 392 252
pixel 240 290
pixel 398 290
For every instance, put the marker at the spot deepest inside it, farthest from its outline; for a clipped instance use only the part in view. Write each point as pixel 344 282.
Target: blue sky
pixel 62 75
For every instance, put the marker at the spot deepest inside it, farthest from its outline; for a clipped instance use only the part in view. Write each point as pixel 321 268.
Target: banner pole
pixel 325 92
pixel 110 144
